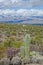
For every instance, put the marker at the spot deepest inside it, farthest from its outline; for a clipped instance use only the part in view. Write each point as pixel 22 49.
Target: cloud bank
pixel 24 10
pixel 20 3
pixel 21 14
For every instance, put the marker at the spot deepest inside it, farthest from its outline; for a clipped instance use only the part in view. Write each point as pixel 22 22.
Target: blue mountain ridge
pixel 21 20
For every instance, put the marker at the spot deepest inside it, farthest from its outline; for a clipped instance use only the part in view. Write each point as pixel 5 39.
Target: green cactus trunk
pixel 22 50
pixel 27 45
pixel 25 50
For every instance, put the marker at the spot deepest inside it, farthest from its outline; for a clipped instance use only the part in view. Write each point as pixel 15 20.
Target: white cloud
pixel 16 1
pixel 8 9
pixel 21 14
pixel 20 3
pixel 1 0
pixel 36 2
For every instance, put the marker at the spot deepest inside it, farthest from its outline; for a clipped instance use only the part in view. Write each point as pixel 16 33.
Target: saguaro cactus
pixel 25 50
pixel 27 45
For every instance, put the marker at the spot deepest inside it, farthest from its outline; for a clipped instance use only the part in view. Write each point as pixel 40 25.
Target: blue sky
pixel 11 10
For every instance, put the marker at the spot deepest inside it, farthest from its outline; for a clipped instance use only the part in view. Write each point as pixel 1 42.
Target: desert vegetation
pixel 12 40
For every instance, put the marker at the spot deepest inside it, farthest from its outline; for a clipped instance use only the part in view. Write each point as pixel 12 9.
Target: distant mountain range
pixel 31 20
pixel 37 17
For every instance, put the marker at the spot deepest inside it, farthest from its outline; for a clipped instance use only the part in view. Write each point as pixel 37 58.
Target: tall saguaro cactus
pixel 27 45
pixel 25 50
